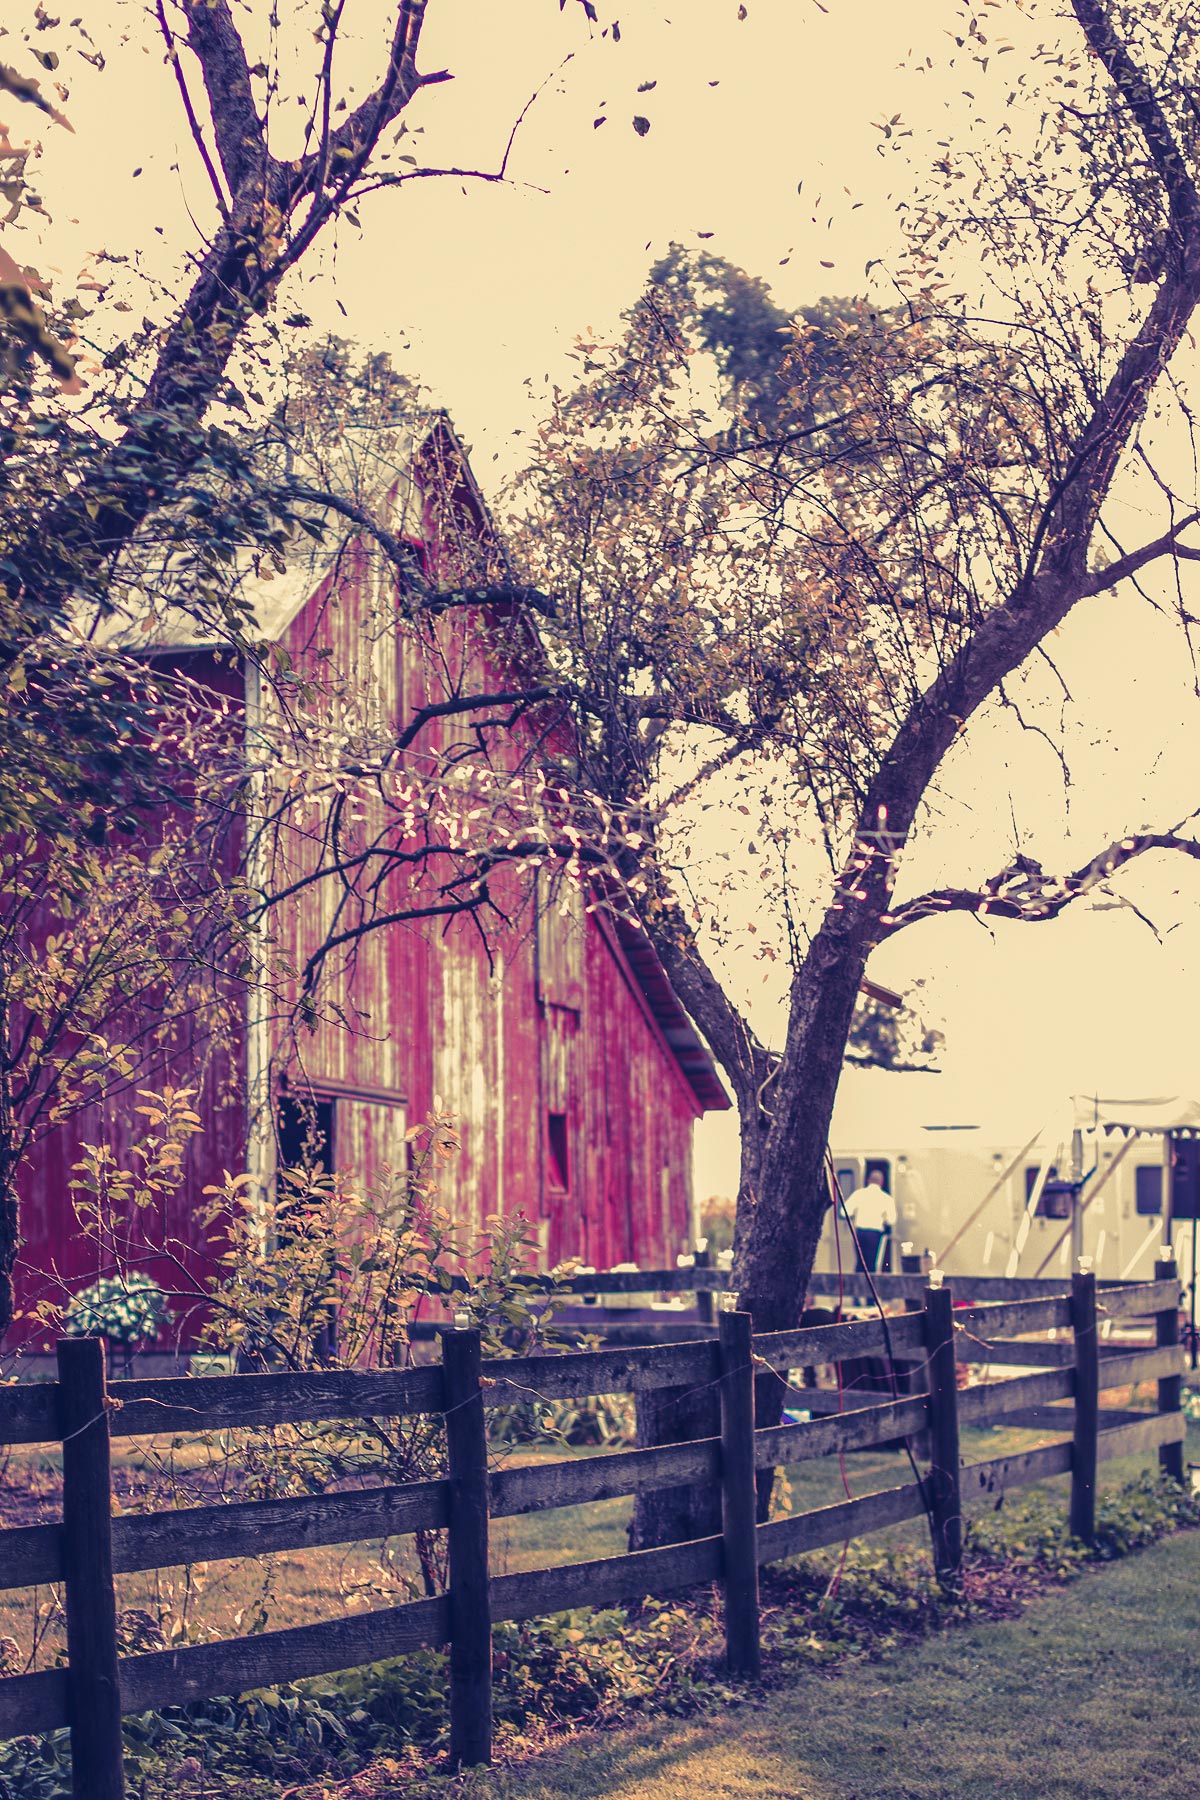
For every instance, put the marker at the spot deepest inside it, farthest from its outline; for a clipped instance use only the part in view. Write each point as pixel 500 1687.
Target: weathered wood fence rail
pixel 90 1546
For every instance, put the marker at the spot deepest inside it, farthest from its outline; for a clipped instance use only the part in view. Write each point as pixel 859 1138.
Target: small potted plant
pixel 127 1310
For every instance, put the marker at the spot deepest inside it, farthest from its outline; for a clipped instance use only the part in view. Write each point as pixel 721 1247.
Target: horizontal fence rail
pixel 924 1408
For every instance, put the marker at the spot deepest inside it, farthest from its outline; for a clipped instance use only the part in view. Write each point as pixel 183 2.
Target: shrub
pixel 126 1309
pixel 604 1419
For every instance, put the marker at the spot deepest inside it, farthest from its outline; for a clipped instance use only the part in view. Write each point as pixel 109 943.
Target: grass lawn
pixel 1092 1694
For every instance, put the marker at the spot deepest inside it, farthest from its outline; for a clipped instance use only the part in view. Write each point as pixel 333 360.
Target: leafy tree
pixel 784 628
pixel 883 1036
pixel 751 338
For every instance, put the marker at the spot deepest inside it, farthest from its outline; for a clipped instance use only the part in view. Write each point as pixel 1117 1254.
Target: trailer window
pixel 1185 1178
pixel 1148 1193
pixel 1032 1171
pixel 879 1165
pixel 847 1179
pixel 1054 1201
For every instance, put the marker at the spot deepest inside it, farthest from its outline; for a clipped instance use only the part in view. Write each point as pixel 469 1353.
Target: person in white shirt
pixel 872 1212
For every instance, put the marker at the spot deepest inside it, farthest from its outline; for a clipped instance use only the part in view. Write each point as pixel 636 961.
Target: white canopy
pixel 877 1112
pixel 1158 1114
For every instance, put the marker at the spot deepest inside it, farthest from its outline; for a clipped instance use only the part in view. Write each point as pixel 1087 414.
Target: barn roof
pixel 356 469
pixel 686 1045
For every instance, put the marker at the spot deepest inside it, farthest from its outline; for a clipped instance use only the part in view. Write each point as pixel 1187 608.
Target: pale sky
pixel 480 290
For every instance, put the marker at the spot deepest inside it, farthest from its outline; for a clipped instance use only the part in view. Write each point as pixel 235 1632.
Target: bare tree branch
pixel 405 560
pixel 1129 564
pixel 464 703
pixel 1135 90
pixel 189 109
pixel 1025 894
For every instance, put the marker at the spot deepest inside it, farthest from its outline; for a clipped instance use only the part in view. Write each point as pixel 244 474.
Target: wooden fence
pixel 90 1546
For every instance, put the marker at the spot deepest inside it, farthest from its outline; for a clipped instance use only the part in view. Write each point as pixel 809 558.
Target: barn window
pixel 558 1155
pixel 305 1134
pixel 1149 1189
pixel 304 1140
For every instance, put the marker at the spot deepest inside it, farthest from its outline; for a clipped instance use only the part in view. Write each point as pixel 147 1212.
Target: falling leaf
pixel 645 86
pixel 641 125
pixel 741 14
pixel 600 121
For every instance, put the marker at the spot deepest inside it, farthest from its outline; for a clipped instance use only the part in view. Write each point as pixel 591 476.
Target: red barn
pixel 556 1042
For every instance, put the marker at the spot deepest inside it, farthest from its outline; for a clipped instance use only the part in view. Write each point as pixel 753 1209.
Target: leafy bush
pixel 320 1272
pixel 249 1746
pixel 604 1419
pixel 576 1665
pixel 1035 1533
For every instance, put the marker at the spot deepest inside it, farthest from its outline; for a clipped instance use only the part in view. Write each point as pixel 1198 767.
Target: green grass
pixel 1092 1694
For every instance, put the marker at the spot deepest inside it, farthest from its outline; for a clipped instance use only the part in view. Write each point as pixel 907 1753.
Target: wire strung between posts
pixel 839 1200
pixel 835 1580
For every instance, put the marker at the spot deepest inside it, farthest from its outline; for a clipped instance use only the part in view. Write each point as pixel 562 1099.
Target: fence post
pixel 944 1487
pixel 1170 1387
pixel 910 1264
pixel 1087 1406
pixel 739 1500
pixel 704 1296
pixel 910 1375
pixel 93 1677
pixel 470 1597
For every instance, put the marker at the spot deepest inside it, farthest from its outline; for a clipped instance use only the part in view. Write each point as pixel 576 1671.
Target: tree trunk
pixel 681 1415
pixel 676 1415
pixel 777 1245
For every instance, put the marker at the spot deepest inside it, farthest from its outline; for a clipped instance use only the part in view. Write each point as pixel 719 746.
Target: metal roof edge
pixel 692 1055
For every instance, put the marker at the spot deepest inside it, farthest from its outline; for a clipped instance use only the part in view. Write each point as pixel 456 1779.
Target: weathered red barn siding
pixel 168 1240
pixel 640 1116
pixel 547 1044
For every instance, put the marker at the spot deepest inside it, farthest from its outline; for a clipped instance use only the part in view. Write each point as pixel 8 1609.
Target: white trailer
pixel 1103 1178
